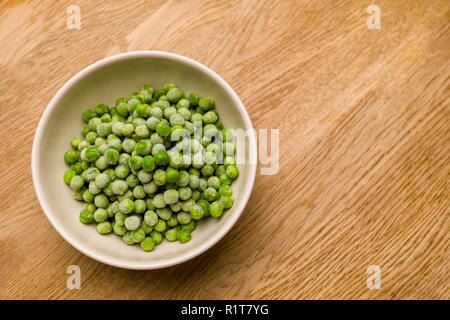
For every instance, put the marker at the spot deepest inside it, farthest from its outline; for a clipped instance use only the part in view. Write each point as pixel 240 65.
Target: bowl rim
pixel 150 265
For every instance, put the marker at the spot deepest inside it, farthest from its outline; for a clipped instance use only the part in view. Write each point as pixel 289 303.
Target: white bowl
pixel 103 82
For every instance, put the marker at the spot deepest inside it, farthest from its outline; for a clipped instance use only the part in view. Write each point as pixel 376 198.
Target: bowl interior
pixel 103 83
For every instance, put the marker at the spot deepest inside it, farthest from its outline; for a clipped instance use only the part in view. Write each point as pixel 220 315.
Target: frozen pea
pixel 195 195
pixel 164 213
pixel 207 170
pixel 147 229
pixel 132 181
pixel 92 173
pixel 127 195
pixel 148 244
pixel 139 192
pixel 142 131
pixel 209 117
pixel 158 201
pixel 104 227
pixel 104 129
pixel 185 193
pixel 196 212
pixel 202 185
pixel 126 206
pixel 194 181
pixel 160 226
pixel 183 217
pixel 226 201
pixel 183 181
pixel 68 175
pixel 170 196
pixel 171 234
pixel 172 221
pixel 75 142
pixel 83 145
pixel 101 201
pixel 100 215
pixel 215 209
pixel 93 188
pixel 187 205
pixel 174 95
pixel 159 177
pixel 90 206
pixel 128 145
pixel 143 147
pixel 145 177
pixel 150 218
pixel 115 144
pixel 232 171
pixel 118 230
pixel 86 216
pixel 132 222
pixel 150 187
pixel 78 194
pixel 101 163
pixel 71 157
pixel 138 235
pixel 183 235
pixel 127 238
pixel 91 137
pixel 189 226
pixel 214 182
pixel 76 183
pixel 152 122
pixel 123 159
pixel 156 236
pixel 210 194
pixel 135 162
pixel 120 218
pixel 122 171
pixel 102 180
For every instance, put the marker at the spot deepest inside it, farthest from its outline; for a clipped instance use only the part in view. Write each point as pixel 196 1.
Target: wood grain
pixel 364 145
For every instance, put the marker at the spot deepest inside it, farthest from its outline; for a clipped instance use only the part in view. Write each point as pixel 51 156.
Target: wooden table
pixel 364 145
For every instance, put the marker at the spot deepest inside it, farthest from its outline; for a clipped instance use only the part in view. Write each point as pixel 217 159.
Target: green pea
pixel 183 235
pixel 86 216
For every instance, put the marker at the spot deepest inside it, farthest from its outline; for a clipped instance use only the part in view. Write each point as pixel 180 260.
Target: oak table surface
pixel 364 167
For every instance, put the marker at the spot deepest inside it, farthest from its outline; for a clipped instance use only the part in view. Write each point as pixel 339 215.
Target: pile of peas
pixel 152 166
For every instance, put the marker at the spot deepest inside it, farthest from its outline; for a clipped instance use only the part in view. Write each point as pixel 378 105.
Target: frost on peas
pixel 100 215
pixel 150 218
pixel 142 131
pixel 93 188
pixel 76 183
pixel 150 187
pixel 101 201
pixel 127 129
pixel 104 129
pixel 139 192
pixel 104 227
pixel 187 205
pixel 164 213
pixel 145 177
pixel 127 195
pixel 139 206
pixel 132 222
pixel 132 180
pixel 148 244
pixel 158 201
pixel 185 193
pixel 126 206
pixel 170 196
pixel 183 235
pixel 119 187
pixel 175 207
pixel 102 180
pixel 128 145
